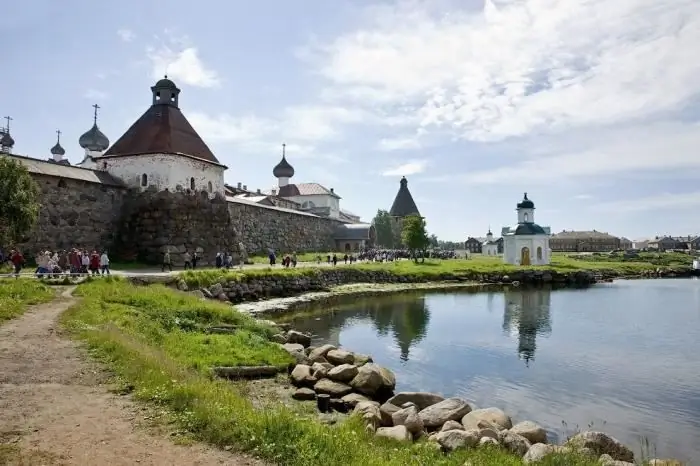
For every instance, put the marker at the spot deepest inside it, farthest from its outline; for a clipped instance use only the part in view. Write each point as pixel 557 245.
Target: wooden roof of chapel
pixel 162 129
pixel 403 205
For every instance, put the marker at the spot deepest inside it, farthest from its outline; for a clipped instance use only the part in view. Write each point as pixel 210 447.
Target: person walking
pixel 104 263
pixel 188 259
pixel 17 260
pixel 167 261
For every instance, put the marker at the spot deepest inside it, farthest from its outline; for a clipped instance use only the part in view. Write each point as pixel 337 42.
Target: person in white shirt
pixel 84 262
pixel 104 263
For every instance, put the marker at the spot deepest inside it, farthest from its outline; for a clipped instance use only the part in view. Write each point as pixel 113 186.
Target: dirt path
pixel 55 408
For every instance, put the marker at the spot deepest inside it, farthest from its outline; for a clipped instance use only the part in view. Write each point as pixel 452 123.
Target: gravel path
pixel 57 409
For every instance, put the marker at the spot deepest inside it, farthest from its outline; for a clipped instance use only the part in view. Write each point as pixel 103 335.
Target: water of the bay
pixel 622 357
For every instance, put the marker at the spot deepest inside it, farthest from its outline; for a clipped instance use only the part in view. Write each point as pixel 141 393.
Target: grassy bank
pixel 476 265
pixel 16 295
pixel 139 333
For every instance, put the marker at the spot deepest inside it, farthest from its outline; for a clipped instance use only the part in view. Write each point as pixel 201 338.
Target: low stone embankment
pixel 343 381
pixel 257 287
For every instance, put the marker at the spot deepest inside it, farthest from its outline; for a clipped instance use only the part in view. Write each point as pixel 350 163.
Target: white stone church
pixel 527 243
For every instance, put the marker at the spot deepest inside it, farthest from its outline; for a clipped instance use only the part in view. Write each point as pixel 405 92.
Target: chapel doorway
pixel 347 247
pixel 525 256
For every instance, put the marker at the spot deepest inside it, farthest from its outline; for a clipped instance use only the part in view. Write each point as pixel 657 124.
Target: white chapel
pixel 527 243
pixel 490 246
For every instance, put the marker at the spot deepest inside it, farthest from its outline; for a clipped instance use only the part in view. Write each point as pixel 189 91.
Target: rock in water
pixel 450 409
pixel 493 415
pixel 533 432
pixel 602 444
pixel 421 399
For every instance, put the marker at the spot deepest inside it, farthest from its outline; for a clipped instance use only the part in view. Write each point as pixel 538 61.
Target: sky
pixel 592 107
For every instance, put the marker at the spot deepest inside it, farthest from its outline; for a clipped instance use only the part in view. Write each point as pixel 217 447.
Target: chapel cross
pixel 284 147
pixel 95 117
pixel 58 135
pixel 8 119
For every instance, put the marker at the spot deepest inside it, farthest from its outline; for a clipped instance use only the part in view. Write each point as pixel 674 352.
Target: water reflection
pixel 526 315
pixel 405 318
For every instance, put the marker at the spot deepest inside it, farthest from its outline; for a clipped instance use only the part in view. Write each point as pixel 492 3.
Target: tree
pixel 434 241
pixel 383 226
pixel 415 236
pixel 19 205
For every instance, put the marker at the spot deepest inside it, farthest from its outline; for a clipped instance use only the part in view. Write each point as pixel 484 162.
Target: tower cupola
pixel 58 151
pixel 526 210
pixel 165 92
pixel 6 141
pixel 94 141
pixel 283 171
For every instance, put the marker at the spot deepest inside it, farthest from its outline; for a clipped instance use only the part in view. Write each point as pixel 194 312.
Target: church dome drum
pixel 7 140
pixel 58 149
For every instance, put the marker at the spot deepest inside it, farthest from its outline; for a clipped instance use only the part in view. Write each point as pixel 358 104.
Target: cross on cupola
pixel 6 141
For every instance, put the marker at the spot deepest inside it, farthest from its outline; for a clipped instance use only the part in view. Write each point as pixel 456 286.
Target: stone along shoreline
pixel 346 382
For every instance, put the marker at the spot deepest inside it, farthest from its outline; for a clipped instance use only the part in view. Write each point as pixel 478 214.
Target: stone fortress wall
pixel 74 213
pixel 136 225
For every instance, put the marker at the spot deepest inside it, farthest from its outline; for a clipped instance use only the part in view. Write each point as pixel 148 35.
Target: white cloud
pixel 127 35
pixel 410 168
pixel 583 197
pixel 657 148
pixel 226 128
pixel 94 94
pixel 391 144
pixel 181 61
pixel 664 201
pixel 520 66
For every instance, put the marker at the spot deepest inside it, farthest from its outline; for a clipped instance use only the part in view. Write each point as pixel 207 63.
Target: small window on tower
pixel 144 180
pixel 192 183
pixel 526 217
pixel 210 187
pixel 172 97
pixel 158 95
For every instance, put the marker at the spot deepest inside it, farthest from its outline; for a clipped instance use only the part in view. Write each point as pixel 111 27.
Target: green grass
pixel 433 268
pixel 16 295
pixel 176 323
pixel 133 330
pixel 301 257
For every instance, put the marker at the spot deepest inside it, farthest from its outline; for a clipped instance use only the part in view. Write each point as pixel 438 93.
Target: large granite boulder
pixel 399 433
pixel 421 399
pixel 602 444
pixel 494 416
pixel 532 431
pixel 372 379
pixel 450 409
pixel 453 439
pixel 302 376
pixel 408 417
pixel 343 373
pixel 332 388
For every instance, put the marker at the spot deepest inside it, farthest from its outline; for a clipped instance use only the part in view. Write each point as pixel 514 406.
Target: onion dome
pixel 7 140
pixel 283 169
pixel 94 139
pixel 526 203
pixel 58 149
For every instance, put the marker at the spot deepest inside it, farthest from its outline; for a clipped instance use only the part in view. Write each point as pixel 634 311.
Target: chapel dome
pixel 7 140
pixel 526 203
pixel 529 229
pixel 58 149
pixel 283 169
pixel 94 140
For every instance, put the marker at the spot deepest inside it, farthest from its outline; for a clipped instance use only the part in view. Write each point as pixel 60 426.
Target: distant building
pixel 403 205
pixel 527 243
pixel 584 241
pixel 474 245
pixel 490 246
pixel 625 243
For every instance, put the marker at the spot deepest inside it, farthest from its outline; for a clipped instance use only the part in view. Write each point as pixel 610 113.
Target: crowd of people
pixel 55 264
pixel 389 255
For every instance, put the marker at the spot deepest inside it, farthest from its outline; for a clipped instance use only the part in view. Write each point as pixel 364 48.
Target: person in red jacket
pixel 17 260
pixel 95 263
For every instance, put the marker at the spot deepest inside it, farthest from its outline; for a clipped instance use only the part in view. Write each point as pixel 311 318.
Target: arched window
pixel 526 217
pixel 62 183
pixel 192 183
pixel 144 180
pixel 539 253
pixel 210 187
